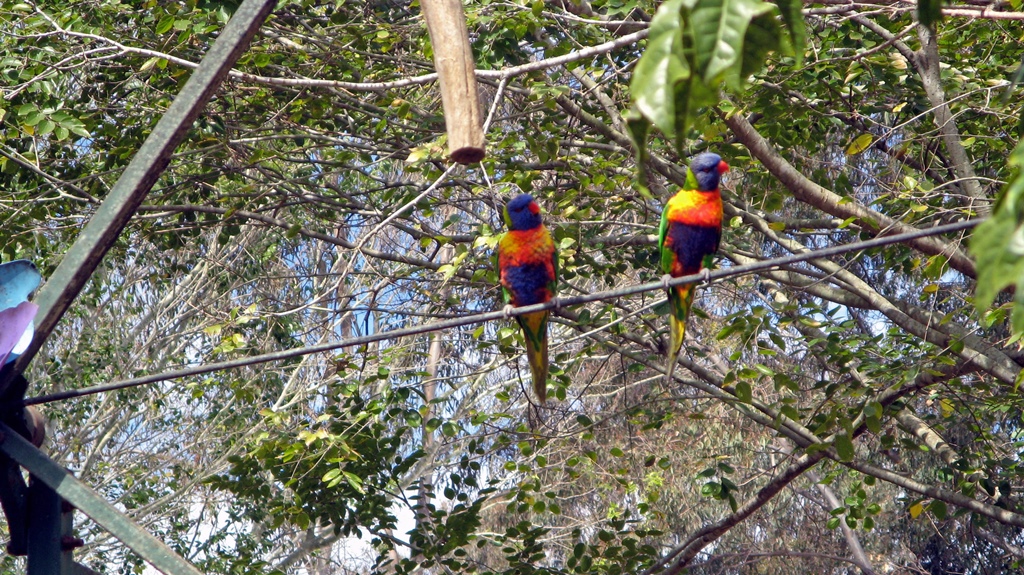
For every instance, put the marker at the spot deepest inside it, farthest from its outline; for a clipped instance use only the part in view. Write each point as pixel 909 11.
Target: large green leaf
pixel 998 246
pixel 662 72
pixel 718 29
pixel 793 18
pixel 762 37
pixel 694 47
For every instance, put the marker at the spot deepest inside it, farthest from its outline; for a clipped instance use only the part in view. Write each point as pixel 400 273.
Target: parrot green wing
pixel 553 284
pixel 506 296
pixel 666 254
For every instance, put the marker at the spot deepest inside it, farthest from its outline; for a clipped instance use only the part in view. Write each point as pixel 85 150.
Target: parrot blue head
pixel 522 213
pixel 707 170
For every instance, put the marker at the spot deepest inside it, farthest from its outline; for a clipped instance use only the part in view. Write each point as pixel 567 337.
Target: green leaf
pixel 354 481
pixel 639 127
pixel 165 24
pixel 332 477
pixel 996 244
pixel 75 126
pixel 658 81
pixel 873 423
pixel 762 37
pixel 998 247
pixel 718 30
pixel 929 12
pixel 793 18
pixel 709 472
pixel 743 392
pixel 936 267
pixel 694 46
pixel 844 447
pixel 33 118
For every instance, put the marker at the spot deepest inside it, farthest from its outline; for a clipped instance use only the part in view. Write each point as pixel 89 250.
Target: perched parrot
pixel 528 268
pixel 691 228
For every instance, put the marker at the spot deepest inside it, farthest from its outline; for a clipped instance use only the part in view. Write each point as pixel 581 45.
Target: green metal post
pixel 45 556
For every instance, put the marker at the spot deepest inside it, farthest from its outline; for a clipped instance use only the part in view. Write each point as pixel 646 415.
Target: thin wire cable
pixel 494 315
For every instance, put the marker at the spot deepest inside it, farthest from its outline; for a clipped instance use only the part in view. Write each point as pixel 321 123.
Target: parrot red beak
pixel 723 167
pixel 534 208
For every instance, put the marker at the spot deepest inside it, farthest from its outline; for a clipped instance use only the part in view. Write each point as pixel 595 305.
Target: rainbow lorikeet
pixel 691 229
pixel 528 268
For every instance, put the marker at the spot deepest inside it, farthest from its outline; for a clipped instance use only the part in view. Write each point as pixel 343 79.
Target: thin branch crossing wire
pixel 495 315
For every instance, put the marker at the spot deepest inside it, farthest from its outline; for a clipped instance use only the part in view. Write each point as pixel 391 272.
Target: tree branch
pixel 828 201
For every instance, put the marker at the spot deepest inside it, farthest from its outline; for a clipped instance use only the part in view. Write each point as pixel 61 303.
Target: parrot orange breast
pixel 694 230
pixel 696 208
pixel 526 261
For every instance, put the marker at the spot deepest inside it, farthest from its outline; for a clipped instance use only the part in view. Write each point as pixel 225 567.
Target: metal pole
pixel 44 530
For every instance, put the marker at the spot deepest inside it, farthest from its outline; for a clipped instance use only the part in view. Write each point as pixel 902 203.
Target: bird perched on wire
pixel 691 229
pixel 528 270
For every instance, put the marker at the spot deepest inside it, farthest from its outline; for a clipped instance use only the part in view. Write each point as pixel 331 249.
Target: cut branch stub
pixel 446 24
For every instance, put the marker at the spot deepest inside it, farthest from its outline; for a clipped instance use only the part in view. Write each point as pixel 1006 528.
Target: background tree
pixel 843 414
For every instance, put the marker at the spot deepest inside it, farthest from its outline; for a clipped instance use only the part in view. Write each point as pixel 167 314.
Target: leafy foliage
pixel 339 468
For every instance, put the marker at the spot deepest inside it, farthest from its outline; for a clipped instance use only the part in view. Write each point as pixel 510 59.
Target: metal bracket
pixel 67 487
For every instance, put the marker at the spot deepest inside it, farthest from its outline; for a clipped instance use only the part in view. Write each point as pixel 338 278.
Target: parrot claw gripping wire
pixel 508 310
pixel 705 275
pixel 665 279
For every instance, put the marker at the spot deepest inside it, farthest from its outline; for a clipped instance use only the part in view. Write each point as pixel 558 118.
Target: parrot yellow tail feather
pixel 535 333
pixel 679 300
